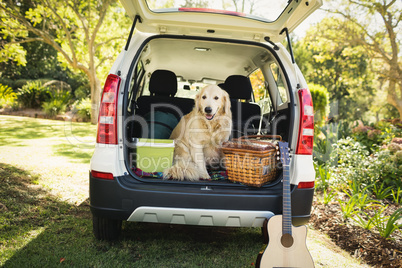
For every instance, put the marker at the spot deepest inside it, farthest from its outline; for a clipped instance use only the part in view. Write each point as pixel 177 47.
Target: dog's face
pixel 212 100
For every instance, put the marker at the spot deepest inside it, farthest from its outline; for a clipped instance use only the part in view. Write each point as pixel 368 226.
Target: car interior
pixel 169 72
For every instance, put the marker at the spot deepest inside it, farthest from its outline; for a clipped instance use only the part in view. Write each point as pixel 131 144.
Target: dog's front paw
pixel 174 173
pixel 205 176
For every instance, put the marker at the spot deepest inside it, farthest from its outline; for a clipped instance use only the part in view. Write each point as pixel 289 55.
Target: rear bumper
pixel 126 199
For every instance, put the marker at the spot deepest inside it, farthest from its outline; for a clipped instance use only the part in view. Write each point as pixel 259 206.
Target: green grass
pixel 40 230
pixel 45 218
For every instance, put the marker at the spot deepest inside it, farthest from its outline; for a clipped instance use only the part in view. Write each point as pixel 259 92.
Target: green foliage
pixel 57 104
pixel 397 195
pixel 320 98
pixel 83 109
pixel 355 203
pixel 14 83
pixel 328 195
pixel 7 96
pixel 386 225
pixel 82 92
pixel 14 51
pixel 374 135
pixel 377 30
pixel 54 107
pixel 381 191
pixel 364 220
pixel 348 207
pixel 390 167
pixel 354 163
pixel 326 136
pixel 324 177
pixel 361 174
pixel 343 69
pixel 367 220
pixel 363 200
pixel 32 95
pixel 82 32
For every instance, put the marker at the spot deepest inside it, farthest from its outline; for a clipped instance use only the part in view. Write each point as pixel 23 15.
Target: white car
pixel 170 54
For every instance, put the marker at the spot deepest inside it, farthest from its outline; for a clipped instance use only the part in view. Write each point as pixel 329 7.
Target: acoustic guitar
pixel 287 244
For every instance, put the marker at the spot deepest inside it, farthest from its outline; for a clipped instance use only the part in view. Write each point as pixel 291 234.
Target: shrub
pixel 374 135
pixel 54 107
pixel 354 163
pixel 58 102
pixel 82 92
pixel 83 109
pixel 320 98
pixel 324 138
pixel 32 95
pixel 7 96
pixel 389 163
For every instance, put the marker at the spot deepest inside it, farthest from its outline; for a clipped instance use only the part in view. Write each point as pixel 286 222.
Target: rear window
pixel 184 89
pixel 280 83
pixel 260 10
pixel 260 91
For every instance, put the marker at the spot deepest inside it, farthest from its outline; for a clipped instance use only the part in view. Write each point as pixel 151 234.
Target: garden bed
pixel 363 244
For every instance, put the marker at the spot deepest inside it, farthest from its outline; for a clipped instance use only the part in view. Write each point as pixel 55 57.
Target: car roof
pixel 173 17
pixel 200 60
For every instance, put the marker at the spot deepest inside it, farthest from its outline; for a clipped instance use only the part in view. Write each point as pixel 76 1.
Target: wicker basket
pixel 251 160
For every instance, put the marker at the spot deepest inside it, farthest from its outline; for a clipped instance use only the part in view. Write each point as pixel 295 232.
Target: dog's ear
pixel 197 102
pixel 226 102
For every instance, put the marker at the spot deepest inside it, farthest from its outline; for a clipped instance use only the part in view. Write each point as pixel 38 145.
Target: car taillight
pixel 102 175
pixel 306 185
pixel 306 128
pixel 107 122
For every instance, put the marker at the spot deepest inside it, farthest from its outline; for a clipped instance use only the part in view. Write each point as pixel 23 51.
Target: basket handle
pixel 278 137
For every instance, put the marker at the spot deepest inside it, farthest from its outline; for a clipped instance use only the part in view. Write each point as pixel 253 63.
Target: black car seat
pixel 245 115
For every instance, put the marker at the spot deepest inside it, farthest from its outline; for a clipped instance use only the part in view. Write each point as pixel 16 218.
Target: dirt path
pixel 326 254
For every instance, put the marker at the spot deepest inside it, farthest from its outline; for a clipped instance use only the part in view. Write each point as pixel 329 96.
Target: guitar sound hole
pixel 287 240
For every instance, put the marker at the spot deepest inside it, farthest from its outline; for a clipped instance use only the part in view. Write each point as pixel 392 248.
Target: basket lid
pixel 250 144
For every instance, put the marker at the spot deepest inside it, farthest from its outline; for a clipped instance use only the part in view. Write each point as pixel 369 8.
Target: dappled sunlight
pixel 58 151
pixel 18 243
pixel 27 210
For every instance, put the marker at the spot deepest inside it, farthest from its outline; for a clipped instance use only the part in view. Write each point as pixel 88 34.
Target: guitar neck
pixel 287 208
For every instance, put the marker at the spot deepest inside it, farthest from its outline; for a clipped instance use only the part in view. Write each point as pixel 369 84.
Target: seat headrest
pixel 238 87
pixel 163 83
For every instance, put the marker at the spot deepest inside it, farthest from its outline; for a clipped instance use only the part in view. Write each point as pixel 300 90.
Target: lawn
pixel 45 219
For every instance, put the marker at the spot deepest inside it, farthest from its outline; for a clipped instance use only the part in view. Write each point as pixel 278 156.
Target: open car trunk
pixel 166 76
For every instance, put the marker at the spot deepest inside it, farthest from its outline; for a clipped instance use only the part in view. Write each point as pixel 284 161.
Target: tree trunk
pixel 95 98
pixel 392 96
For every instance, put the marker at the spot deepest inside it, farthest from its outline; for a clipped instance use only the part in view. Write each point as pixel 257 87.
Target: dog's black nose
pixel 208 110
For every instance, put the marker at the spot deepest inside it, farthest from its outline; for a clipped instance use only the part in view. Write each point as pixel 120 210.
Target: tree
pixel 343 69
pixel 376 26
pixel 41 63
pixel 86 34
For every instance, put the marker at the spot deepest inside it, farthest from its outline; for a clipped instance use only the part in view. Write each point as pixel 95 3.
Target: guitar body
pixel 287 244
pixel 294 254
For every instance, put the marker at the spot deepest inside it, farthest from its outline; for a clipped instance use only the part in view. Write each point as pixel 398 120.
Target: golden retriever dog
pixel 199 135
